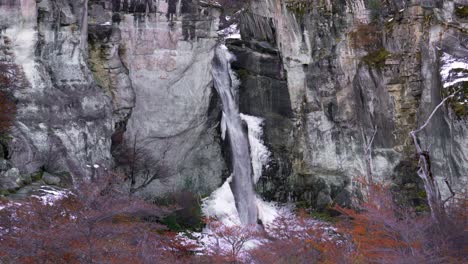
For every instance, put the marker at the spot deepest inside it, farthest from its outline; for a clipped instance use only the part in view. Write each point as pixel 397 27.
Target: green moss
pixel 299 7
pixel 457 103
pixel 242 73
pixel 461 11
pixel 422 208
pixel 37 176
pixel 188 216
pixel 302 204
pixel 323 216
pixel 376 58
pixel 171 222
pixel 375 7
pixel 422 194
pixel 5 138
pixel 460 109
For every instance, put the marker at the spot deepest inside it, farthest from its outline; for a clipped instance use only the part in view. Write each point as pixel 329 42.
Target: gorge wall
pixel 327 75
pixel 92 83
pixel 116 71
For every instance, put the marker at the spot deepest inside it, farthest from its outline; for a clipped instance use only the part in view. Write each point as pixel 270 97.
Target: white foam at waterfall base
pixel 258 151
pixel 221 205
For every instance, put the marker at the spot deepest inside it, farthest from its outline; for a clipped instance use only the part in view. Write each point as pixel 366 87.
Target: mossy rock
pixel 457 103
pixel 324 216
pixel 302 204
pixel 422 194
pixel 421 208
pixel 461 11
pixel 37 176
pixel 171 222
pixel 188 217
pixel 242 73
pixel 376 58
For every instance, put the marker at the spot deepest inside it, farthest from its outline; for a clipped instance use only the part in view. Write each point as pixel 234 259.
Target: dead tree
pixel 434 197
pixel 368 154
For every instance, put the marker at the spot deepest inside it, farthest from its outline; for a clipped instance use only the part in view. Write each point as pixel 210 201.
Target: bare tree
pixel 228 243
pixel 434 197
pixel 140 164
pixel 368 153
pixel 96 223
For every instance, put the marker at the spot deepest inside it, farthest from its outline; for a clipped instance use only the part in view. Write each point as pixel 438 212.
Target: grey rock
pixel 156 67
pixel 51 179
pixel 11 180
pixel 323 200
pixel 66 16
pixel 336 99
pixel 64 120
pixel 4 165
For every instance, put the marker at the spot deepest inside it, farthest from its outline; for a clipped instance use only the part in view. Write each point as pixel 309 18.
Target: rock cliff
pixel 331 74
pixel 63 119
pixel 89 79
pixel 340 85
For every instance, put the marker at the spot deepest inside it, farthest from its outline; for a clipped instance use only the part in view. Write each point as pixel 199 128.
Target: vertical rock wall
pixel 346 77
pixel 63 120
pixel 155 57
pixel 87 80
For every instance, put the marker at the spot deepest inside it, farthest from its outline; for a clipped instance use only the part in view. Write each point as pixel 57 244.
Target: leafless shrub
pixel 139 164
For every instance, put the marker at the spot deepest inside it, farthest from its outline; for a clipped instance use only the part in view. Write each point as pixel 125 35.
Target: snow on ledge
pixel 453 70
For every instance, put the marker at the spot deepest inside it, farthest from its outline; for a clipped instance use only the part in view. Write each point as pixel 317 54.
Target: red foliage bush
pixel 96 224
pixel 7 113
pixel 384 232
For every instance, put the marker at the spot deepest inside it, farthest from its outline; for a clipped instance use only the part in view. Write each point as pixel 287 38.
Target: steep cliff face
pixel 349 69
pixel 63 119
pixel 89 80
pixel 154 59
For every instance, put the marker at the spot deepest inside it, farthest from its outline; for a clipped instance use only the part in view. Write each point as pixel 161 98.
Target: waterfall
pixel 242 185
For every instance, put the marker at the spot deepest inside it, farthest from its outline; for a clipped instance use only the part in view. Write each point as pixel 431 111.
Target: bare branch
pixel 430 183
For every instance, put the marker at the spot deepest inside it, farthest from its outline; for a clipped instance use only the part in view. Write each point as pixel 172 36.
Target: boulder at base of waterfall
pixel 51 179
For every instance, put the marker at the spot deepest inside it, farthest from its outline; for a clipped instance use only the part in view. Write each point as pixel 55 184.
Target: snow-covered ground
pixel 50 195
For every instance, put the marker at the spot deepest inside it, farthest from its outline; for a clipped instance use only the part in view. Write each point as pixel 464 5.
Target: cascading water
pixel 242 183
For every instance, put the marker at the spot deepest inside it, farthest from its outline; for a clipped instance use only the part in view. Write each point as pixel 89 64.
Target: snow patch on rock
pixel 231 32
pixel 453 70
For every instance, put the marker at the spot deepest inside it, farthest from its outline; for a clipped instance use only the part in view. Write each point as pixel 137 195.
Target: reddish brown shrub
pixel 7 113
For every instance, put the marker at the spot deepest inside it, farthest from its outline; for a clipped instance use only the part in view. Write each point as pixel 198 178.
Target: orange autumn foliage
pixel 381 231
